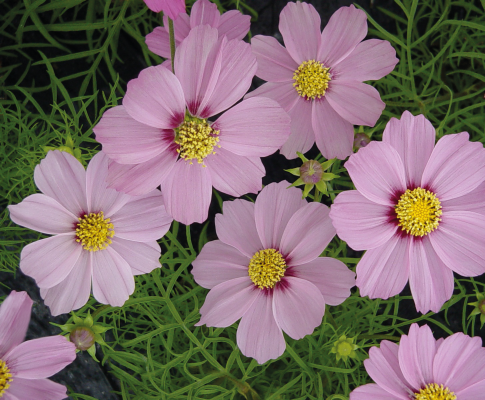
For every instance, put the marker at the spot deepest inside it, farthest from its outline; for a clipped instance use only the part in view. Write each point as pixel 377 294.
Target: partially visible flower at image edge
pixel 25 366
pixel 265 269
pixel 100 235
pixel 422 368
pixel 170 8
pixel 479 308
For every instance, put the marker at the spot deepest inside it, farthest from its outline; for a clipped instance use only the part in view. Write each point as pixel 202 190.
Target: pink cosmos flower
pixel 265 269
pixel 100 235
pixel 25 366
pixel 231 24
pixel 170 8
pixel 422 368
pixel 318 77
pixel 418 211
pixel 161 136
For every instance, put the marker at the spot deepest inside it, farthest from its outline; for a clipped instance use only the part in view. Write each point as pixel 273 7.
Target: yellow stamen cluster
pixel 311 79
pixel 433 391
pixel 196 139
pixel 5 377
pixel 266 268
pixel 94 231
pixel 418 211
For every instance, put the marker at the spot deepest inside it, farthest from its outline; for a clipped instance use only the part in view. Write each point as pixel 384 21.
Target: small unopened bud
pixel 361 140
pixel 311 172
pixel 82 337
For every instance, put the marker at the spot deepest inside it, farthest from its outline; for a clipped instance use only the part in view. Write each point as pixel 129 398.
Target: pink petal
pixel 258 334
pixel 300 28
pixel 416 355
pixel 356 102
pixel 187 192
pixel 155 98
pixel 383 272
pixel 15 316
pixel 143 258
pixel 234 25
pixel 361 223
pixel 371 391
pixel 473 392
pixel 38 389
pixel 274 62
pixel 158 42
pixel 298 306
pixel 40 358
pixel 273 210
pixel 233 174
pixel 333 134
pixel 330 276
pixel 236 227
pixel 472 201
pixel 204 13
pixel 127 141
pixel 346 28
pixel 62 177
pixel 74 291
pixel 370 60
pixel 307 234
pixel 256 127
pixel 218 262
pixel 142 219
pixel 430 280
pixel 377 173
pixel 172 8
pixel 455 168
pixel 42 213
pixel 228 301
pixel 458 241
pixel 283 93
pixel 413 137
pixel 140 179
pixel 50 260
pixel 112 278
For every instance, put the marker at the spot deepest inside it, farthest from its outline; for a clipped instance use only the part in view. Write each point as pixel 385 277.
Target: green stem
pixel 380 337
pixel 172 42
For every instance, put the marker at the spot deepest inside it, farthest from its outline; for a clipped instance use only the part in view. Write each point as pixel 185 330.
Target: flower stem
pixel 172 42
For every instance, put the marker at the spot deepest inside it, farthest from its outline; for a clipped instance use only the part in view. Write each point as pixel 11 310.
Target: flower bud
pixel 311 172
pixel 82 337
pixel 361 140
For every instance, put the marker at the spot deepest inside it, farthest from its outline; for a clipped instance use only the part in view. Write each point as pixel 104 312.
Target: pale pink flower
pixel 100 235
pixel 318 77
pixel 231 24
pixel 25 366
pixel 161 136
pixel 418 211
pixel 170 8
pixel 422 368
pixel 265 269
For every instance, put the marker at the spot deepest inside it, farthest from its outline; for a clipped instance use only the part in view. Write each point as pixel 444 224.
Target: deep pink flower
pixel 265 269
pixel 318 77
pixel 161 136
pixel 418 211
pixel 100 235
pixel 422 368
pixel 25 366
pixel 170 8
pixel 231 24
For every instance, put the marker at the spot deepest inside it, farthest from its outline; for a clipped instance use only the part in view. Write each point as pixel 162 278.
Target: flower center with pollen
pixel 418 211
pixel 196 139
pixel 311 79
pixel 5 377
pixel 94 231
pixel 433 391
pixel 266 268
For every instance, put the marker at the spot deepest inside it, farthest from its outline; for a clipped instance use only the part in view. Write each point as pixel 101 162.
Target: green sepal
pixel 294 171
pixel 298 182
pixel 302 157
pixel 327 164
pixel 328 176
pixel 92 352
pixel 306 190
pixel 322 186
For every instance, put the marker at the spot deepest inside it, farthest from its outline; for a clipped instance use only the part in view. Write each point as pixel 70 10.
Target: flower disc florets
pixel 94 231
pixel 433 391
pixel 5 377
pixel 311 79
pixel 266 268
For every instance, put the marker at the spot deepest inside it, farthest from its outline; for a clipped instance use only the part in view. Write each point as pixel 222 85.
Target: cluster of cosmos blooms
pixel 418 209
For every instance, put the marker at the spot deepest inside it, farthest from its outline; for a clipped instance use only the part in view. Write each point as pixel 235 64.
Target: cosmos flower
pixel 170 8
pixel 318 78
pixel 231 24
pixel 422 368
pixel 100 235
pixel 25 366
pixel 265 269
pixel 161 134
pixel 417 210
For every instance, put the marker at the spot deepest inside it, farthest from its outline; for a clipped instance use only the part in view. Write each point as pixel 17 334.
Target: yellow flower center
pixel 196 139
pixel 418 212
pixel 311 79
pixel 266 268
pixel 94 231
pixel 5 377
pixel 433 391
